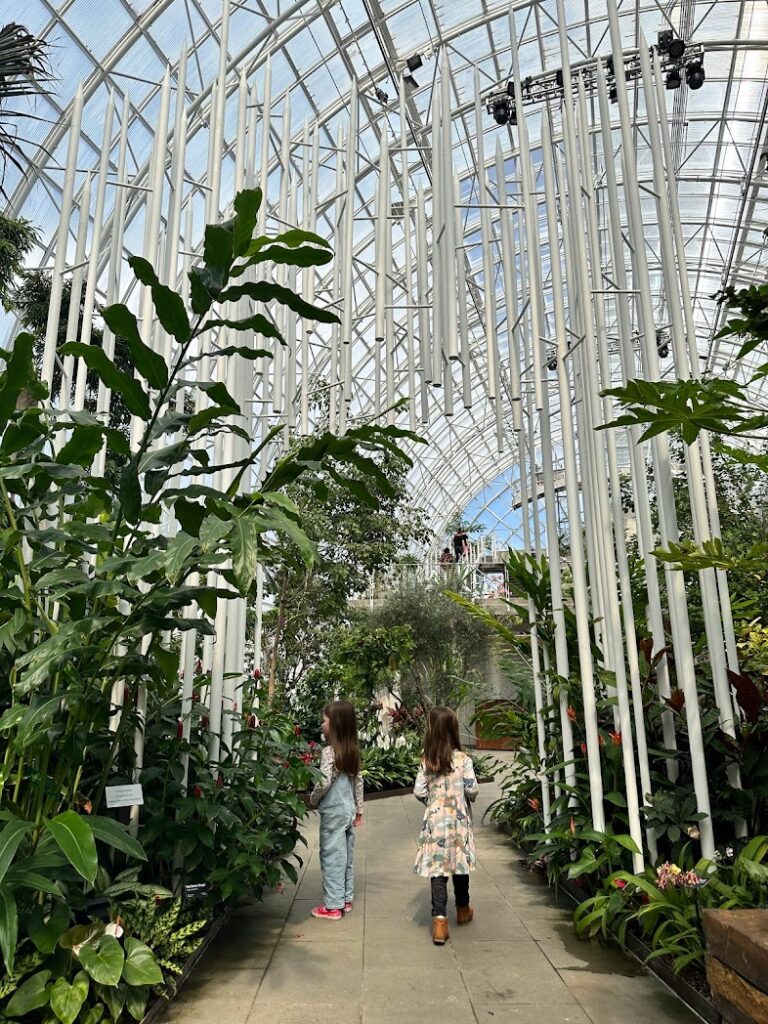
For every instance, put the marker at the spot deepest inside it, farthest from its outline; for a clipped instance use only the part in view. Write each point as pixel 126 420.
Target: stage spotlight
pixel 674 79
pixel 501 111
pixel 665 40
pixel 511 89
pixel 694 75
pixel 410 80
pixel 414 62
pixel 676 49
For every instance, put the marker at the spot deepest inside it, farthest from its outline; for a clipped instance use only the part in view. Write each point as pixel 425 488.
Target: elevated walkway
pixel 518 961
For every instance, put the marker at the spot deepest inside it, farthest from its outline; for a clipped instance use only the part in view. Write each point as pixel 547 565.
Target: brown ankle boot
pixel 464 915
pixel 439 930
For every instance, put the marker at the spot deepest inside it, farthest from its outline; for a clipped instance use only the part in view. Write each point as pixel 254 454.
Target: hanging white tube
pixel 410 352
pixel 448 265
pixel 462 298
pixel 489 287
pixel 75 298
pixel 422 262
pixel 60 257
pixel 510 286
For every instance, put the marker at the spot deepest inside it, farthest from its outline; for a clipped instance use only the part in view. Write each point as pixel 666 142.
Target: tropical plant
pixel 24 67
pixel 17 237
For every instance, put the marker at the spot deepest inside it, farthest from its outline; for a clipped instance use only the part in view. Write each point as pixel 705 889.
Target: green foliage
pixel 17 237
pixel 24 71
pixel 172 932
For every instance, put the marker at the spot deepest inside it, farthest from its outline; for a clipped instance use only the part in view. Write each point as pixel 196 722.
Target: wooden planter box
pixel 737 964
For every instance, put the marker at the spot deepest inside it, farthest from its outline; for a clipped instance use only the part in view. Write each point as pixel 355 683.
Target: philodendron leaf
pixel 33 994
pixel 75 840
pixel 149 363
pixel 46 934
pixel 10 839
pixel 104 961
pixel 140 965
pixel 136 999
pixel 9 927
pixel 244 541
pixel 67 1000
pixel 133 394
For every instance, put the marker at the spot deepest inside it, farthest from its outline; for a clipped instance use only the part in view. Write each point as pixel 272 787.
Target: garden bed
pixel 159 1004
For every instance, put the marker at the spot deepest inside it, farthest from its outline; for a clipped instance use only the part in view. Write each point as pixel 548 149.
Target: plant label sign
pixel 124 796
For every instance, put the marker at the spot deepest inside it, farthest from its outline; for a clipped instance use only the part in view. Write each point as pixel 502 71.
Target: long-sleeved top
pixel 330 773
pixel 446 844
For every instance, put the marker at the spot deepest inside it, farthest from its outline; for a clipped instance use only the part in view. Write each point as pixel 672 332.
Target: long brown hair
pixel 342 734
pixel 440 740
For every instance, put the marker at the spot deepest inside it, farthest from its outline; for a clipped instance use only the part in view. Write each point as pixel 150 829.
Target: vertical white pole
pixel 489 288
pixel 508 258
pixel 581 602
pixel 75 297
pixel 450 328
pixel 335 400
pixel 422 262
pixel 410 353
pixel 461 295
pixel 60 258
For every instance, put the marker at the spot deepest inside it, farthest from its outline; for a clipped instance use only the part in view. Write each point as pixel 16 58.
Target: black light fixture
pixel 410 80
pixel 677 48
pixel 381 96
pixel 414 62
pixel 559 77
pixel 664 40
pixel 528 85
pixel 552 361
pixel 662 343
pixel 501 111
pixel 609 65
pixel 674 79
pixel 695 75
pixel 613 94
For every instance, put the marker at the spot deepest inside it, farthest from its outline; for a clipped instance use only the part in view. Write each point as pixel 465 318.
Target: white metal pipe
pixel 422 262
pixel 410 351
pixel 60 258
pixel 510 283
pixel 489 287
pixel 462 298
pixel 75 298
pixel 448 266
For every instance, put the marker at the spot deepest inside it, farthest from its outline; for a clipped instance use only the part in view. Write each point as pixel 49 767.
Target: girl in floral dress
pixel 446 847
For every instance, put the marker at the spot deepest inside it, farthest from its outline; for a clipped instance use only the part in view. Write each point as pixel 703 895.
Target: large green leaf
pixel 103 961
pixel 75 840
pixel 247 206
pixel 114 998
pixel 176 555
pixel 111 832
pixel 265 291
pixel 244 542
pixel 83 445
pixel 46 933
pixel 169 306
pixel 293 237
pixel 20 878
pixel 19 372
pixel 140 964
pixel 136 999
pixel 218 247
pixel 9 927
pixel 217 392
pixel 67 1000
pixel 257 323
pixel 149 363
pixel 11 839
pixel 133 394
pixel 303 256
pixel 31 995
pixel 130 492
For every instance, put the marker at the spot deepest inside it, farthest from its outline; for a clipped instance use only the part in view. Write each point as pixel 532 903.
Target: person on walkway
pixel 339 798
pixel 446 783
pixel 445 558
pixel 461 544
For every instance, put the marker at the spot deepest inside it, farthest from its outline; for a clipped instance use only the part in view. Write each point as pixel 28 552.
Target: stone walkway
pixel 518 961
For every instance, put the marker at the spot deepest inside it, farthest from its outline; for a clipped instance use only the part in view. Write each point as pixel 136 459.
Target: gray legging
pixel 440 893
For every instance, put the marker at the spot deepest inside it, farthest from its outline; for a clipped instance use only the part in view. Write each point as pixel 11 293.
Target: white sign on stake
pixel 124 796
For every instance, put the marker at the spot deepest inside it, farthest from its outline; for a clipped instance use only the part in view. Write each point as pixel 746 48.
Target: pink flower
pixel 534 804
pixel 280 887
pixel 619 883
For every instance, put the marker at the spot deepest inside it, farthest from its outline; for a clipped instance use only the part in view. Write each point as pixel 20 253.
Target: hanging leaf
pixel 177 552
pixel 136 999
pixel 80 449
pixel 244 542
pixel 257 323
pixel 75 840
pixel 133 394
pixel 111 832
pixel 150 364
pixel 11 839
pixel 18 374
pixel 293 237
pixel 247 205
pixel 104 961
pixel 265 291
pixel 9 927
pixel 304 256
pixel 199 296
pixel 130 492
pixel 217 247
pixel 217 392
pixel 67 1000
pixel 140 964
pixel 169 306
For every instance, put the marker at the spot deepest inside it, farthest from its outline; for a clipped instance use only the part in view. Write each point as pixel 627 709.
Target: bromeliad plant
pixel 91 588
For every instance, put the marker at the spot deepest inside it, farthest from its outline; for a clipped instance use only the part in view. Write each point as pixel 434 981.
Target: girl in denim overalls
pixel 339 798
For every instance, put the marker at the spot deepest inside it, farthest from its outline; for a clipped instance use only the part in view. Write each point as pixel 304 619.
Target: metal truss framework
pixel 316 49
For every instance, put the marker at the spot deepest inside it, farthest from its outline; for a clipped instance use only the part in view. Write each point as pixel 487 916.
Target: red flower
pixel 197 792
pixel 297 730
pixel 572 714
pixel 219 782
pixel 257 673
pixel 252 721
pixel 312 745
pixel 204 721
pixel 619 883
pixel 676 700
pixel 126 695
pixel 583 748
pixel 616 739
pixel 534 804
pixel 579 881
pixel 646 898
pixel 179 730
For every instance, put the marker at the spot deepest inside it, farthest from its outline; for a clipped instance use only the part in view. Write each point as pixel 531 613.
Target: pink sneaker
pixel 324 912
pixel 347 908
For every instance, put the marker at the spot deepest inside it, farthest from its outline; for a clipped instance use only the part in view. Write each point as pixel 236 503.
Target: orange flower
pixel 616 739
pixel 534 804
pixel 572 713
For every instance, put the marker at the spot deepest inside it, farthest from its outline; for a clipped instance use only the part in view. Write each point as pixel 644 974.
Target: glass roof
pixel 316 48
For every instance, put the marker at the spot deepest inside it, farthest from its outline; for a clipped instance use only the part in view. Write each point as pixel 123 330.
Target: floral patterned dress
pixel 446 844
